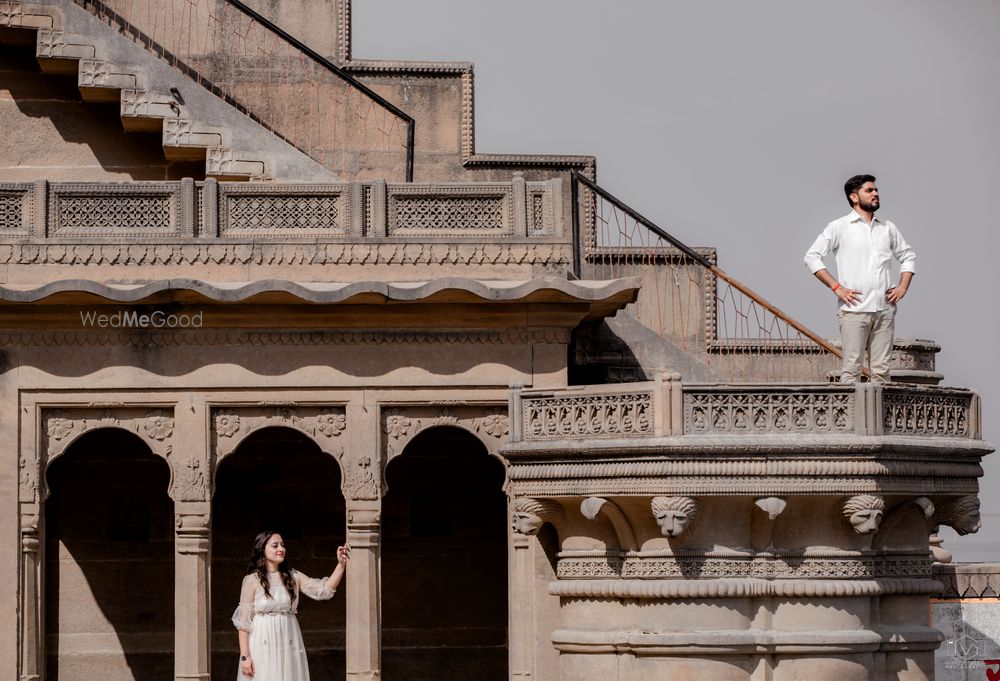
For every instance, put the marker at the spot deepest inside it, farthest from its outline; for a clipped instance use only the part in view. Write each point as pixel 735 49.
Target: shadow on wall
pixel 273 357
pixel 109 565
pixel 444 561
pixel 40 104
pixel 278 479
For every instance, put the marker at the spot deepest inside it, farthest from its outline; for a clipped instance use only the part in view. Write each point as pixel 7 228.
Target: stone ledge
pixel 277 291
pixel 968 580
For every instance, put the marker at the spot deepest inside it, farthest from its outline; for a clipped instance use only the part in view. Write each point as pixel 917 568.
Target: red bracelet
pixel 835 287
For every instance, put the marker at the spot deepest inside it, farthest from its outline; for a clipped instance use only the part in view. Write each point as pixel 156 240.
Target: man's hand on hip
pixel 849 296
pixel 895 294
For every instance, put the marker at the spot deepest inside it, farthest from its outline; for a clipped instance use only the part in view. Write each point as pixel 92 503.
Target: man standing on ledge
pixel 864 246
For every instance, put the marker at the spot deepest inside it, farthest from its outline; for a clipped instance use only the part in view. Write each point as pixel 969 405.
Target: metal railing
pixel 689 301
pixel 274 79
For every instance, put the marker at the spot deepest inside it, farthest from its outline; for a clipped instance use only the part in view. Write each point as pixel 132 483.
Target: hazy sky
pixel 734 124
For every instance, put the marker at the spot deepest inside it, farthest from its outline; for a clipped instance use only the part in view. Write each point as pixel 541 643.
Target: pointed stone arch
pixel 401 424
pixel 323 424
pixel 62 426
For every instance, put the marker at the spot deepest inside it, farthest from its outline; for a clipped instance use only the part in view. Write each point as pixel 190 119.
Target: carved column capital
pixel 29 531
pixel 192 528
pixel 364 515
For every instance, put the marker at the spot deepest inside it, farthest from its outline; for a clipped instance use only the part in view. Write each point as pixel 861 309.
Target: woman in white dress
pixel 270 639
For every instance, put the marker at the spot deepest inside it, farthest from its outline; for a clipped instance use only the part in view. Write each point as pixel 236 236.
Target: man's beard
pixel 870 206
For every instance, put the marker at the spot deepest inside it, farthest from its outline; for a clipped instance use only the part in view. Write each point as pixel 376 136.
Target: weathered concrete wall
pixel 314 22
pixel 50 133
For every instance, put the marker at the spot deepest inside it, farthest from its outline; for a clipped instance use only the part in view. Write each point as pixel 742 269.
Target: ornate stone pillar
pixel 527 516
pixel 31 650
pixel 364 614
pixel 192 649
pixel 521 611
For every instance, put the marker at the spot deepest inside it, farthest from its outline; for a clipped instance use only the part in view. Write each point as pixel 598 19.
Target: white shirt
pixel 864 255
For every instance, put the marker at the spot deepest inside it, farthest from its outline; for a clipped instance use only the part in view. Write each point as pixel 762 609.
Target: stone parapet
pixel 666 407
pixel 55 212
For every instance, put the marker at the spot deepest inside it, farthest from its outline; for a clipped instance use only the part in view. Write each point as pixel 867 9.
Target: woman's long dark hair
pixel 258 565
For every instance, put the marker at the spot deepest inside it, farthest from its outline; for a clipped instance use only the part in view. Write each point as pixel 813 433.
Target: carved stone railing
pixel 666 407
pixel 930 411
pixel 51 212
pixel 736 410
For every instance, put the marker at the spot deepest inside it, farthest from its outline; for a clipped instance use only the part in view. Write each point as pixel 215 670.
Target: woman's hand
pixel 246 666
pixel 343 554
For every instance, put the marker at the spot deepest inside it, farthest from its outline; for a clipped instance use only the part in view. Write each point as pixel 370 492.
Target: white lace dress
pixel 275 638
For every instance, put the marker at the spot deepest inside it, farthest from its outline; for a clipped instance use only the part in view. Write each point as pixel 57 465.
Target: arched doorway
pixel 278 478
pixel 109 561
pixel 444 561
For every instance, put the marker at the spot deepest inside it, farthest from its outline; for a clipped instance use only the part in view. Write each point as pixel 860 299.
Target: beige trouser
pixel 871 331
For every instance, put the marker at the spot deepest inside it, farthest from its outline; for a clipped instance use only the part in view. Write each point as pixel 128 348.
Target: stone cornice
pixel 449 289
pixel 968 580
pixel 769 485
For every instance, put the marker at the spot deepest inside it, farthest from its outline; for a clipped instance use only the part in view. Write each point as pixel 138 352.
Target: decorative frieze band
pixel 511 253
pixel 225 338
pixel 740 588
pixel 614 567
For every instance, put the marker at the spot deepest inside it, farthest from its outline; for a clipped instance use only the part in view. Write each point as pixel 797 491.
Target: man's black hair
pixel 854 184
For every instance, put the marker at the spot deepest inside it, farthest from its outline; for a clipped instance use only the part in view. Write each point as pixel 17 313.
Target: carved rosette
pixel 401 424
pixel 62 427
pixel 324 424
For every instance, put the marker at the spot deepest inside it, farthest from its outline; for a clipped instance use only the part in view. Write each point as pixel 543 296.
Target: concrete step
pixel 153 97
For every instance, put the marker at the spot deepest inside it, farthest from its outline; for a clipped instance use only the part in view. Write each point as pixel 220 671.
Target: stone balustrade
pixel 666 407
pixel 54 212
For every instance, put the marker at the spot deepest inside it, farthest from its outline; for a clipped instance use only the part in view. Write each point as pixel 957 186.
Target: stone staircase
pixel 194 123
